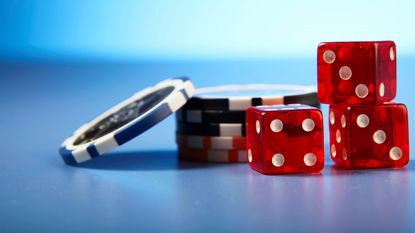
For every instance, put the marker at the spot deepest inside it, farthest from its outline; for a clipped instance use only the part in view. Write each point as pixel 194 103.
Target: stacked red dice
pixel 285 139
pixel 358 79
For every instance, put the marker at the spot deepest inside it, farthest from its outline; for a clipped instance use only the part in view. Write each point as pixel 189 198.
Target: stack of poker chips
pixel 211 135
pixel 212 129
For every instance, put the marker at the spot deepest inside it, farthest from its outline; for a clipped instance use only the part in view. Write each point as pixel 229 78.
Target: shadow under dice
pixel 356 72
pixel 369 136
pixel 285 139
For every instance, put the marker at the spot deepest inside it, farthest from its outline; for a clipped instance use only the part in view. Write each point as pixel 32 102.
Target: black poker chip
pixel 210 116
pixel 220 130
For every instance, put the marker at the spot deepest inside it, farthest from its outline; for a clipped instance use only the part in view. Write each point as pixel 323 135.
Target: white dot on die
pixel 332 119
pixel 276 125
pixel 310 159
pixel 338 136
pixel 308 125
pixel 379 136
pixel 258 126
pixel 362 120
pixel 329 56
pixel 250 155
pixel 343 121
pixel 392 54
pixel 278 160
pixel 381 89
pixel 395 153
pixel 361 91
pixel 344 154
pixel 345 73
pixel 333 150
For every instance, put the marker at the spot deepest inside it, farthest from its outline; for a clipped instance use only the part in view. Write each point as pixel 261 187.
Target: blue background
pixel 196 29
pixel 61 63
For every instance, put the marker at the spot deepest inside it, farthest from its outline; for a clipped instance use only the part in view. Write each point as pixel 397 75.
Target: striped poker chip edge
pixel 75 154
pixel 205 142
pixel 217 156
pixel 210 116
pixel 213 130
pixel 203 101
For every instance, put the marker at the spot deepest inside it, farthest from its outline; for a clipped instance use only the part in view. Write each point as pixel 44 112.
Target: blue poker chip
pixel 126 120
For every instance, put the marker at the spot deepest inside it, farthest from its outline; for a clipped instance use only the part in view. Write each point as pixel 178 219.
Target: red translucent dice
pixel 356 72
pixel 369 136
pixel 285 139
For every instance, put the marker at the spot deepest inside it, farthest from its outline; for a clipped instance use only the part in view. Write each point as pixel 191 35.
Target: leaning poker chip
pixel 205 142
pixel 210 116
pixel 126 120
pixel 205 155
pixel 221 130
pixel 240 97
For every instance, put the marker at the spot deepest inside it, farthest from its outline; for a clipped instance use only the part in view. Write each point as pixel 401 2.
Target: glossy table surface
pixel 142 187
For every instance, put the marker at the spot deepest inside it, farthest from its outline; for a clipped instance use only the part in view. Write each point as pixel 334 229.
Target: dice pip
pixel 356 72
pixel 369 136
pixel 285 139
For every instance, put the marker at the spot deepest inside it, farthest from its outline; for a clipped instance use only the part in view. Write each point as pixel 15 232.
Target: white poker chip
pixel 126 120
pixel 241 97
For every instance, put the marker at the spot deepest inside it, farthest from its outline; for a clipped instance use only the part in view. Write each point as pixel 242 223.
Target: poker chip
pixel 126 120
pixel 211 125
pixel 221 130
pixel 205 142
pixel 210 116
pixel 206 155
pixel 240 97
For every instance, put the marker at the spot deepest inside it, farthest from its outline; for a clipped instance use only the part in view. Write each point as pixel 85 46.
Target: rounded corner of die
pixel 406 161
pixel 403 107
pixel 320 45
pixel 391 43
pixel 319 168
pixel 250 112
pixel 318 111
pixel 250 108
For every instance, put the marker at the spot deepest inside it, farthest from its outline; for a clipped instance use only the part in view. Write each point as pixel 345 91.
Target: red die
pixel 369 136
pixel 356 72
pixel 284 139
